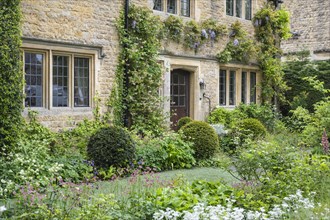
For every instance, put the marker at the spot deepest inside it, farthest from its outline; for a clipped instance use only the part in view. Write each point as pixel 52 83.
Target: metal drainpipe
pixel 126 78
pixel 208 98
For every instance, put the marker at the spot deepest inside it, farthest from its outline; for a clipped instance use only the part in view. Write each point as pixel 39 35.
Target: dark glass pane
pixel 185 8
pixel 230 7
pixel 171 6
pixel 175 100
pixel 33 79
pixel 181 79
pixel 248 9
pixel 60 81
pixel 175 78
pixel 239 8
pixel 182 101
pixel 81 82
pixel 222 87
pixel 253 83
pixel 158 5
pixel 175 90
pixel 243 91
pixel 27 58
pixel 232 88
pixel 182 90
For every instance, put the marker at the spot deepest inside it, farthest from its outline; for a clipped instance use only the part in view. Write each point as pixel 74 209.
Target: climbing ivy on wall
pixel 140 46
pixel 11 77
pixel 271 26
pixel 239 47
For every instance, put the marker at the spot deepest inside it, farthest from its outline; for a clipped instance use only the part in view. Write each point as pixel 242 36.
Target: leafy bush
pixel 221 116
pixel 204 138
pixel 302 93
pixel 264 113
pixel 111 146
pixel 252 128
pixel 168 152
pixel 28 162
pixel 77 138
pixel 11 76
pixel 186 196
pixel 319 121
pixel 183 121
pixel 275 171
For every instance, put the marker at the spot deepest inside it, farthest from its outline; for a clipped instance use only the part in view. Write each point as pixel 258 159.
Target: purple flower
pixel 204 33
pixel 133 24
pixel 325 142
pixel 212 35
pixel 256 23
pixel 236 42
pixel 196 44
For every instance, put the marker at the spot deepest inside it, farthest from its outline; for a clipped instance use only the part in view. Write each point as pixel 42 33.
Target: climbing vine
pixel 11 77
pixel 140 46
pixel 239 47
pixel 271 26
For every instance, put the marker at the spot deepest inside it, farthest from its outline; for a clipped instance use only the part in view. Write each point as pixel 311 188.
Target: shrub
pixel 111 146
pixel 252 128
pixel 220 116
pixel 11 77
pixel 203 136
pixel 264 113
pixel 168 152
pixel 28 162
pixel 183 121
pixel 319 121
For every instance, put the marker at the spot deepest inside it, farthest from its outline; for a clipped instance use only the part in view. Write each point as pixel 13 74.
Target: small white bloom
pixel 2 209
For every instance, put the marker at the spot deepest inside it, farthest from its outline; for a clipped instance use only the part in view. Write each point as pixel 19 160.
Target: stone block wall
pixel 93 23
pixel 310 20
pixel 86 22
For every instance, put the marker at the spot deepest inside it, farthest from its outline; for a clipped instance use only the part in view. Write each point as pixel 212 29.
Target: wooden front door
pixel 179 96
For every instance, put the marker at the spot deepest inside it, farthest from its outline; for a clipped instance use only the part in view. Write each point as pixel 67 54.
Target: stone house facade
pixel 310 26
pixel 71 47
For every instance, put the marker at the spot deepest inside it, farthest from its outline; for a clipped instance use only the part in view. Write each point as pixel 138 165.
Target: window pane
pixel 253 83
pixel 33 66
pixel 158 5
pixel 239 8
pixel 185 8
pixel 230 7
pixel 248 9
pixel 81 82
pixel 60 81
pixel 232 88
pixel 243 91
pixel 222 87
pixel 171 6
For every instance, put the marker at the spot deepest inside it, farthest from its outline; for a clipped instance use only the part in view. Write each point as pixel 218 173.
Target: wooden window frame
pixel 47 99
pixel 238 89
pixel 243 8
pixel 178 8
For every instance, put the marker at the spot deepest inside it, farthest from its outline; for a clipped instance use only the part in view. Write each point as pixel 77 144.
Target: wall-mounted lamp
pixel 202 84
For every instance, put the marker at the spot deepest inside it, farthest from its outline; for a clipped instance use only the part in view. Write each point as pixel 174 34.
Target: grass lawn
pixel 122 188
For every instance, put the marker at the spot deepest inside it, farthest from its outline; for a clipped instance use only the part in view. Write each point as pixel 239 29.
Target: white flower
pixel 2 209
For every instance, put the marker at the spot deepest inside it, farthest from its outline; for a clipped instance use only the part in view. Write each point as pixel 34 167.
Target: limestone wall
pixel 310 20
pixel 92 23
pixel 89 22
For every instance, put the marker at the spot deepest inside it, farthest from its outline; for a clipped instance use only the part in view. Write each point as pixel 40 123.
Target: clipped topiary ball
pixel 183 121
pixel 252 127
pixel 203 136
pixel 111 146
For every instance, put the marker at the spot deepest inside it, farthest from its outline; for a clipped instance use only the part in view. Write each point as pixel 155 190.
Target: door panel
pixel 179 96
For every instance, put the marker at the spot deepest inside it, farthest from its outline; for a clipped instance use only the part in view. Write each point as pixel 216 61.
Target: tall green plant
pixel 140 45
pixel 11 77
pixel 270 27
